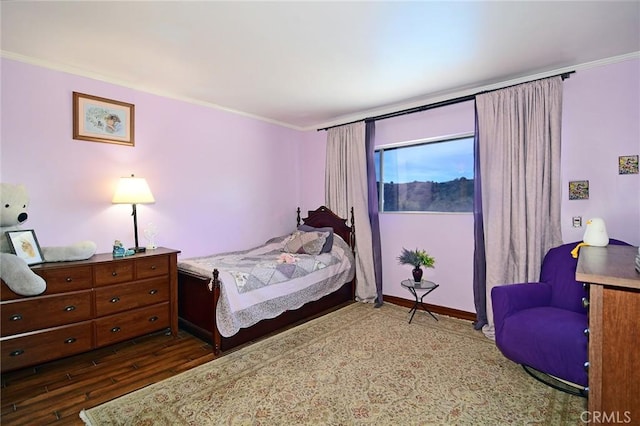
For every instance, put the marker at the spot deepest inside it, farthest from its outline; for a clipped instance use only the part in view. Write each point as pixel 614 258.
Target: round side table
pixel 419 286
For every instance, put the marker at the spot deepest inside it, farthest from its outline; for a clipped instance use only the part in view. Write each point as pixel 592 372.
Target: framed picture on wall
pixel 579 190
pixel 25 245
pixel 102 120
pixel 628 165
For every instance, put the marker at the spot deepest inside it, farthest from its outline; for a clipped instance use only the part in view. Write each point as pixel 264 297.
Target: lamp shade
pixel 133 190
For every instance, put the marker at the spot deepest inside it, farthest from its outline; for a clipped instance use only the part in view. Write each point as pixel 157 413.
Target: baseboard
pixel 442 310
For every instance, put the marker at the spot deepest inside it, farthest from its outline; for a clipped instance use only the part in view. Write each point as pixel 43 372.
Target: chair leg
pixel 555 383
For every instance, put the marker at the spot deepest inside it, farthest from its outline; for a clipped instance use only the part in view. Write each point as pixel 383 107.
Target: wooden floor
pixel 56 392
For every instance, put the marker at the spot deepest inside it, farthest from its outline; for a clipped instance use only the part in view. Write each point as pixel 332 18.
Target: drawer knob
pixel 115 300
pixel 115 329
pixel 585 302
pixel 114 274
pixel 153 319
pixel 153 267
pixel 585 286
pixel 69 308
pixel 15 317
pixel 154 291
pixel 68 279
pixel 70 340
pixel 17 352
pixel 586 366
pixel 586 332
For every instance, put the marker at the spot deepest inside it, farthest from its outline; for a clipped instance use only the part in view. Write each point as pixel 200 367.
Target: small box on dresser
pixel 89 304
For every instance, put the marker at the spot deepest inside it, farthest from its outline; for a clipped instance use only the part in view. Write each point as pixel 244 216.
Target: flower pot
pixel 417 274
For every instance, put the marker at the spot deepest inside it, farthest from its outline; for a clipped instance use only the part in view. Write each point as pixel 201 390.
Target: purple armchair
pixel 542 325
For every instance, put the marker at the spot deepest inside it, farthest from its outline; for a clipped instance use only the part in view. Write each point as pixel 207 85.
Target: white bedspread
pixel 242 306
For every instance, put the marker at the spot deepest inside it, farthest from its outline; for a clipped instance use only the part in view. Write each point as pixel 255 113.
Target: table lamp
pixel 133 190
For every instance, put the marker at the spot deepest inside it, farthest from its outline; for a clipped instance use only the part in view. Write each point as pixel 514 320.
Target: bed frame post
pixel 298 217
pixel 217 339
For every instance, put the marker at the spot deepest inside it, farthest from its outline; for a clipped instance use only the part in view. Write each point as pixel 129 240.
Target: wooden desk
pixel 614 332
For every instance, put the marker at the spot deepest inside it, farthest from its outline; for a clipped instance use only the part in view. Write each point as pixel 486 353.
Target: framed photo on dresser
pixel 25 245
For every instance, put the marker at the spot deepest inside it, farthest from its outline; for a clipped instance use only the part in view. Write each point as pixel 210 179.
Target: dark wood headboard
pixel 323 216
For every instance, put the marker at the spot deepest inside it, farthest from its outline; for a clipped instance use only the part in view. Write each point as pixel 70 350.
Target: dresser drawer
pixel 122 297
pixel 38 347
pixel 118 271
pixel 116 328
pixel 61 280
pixel 22 315
pixel 155 266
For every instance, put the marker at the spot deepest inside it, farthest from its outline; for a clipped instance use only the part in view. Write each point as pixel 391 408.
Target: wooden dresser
pixel 614 333
pixel 89 304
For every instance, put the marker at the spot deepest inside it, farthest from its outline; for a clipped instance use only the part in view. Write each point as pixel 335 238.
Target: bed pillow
pixel 328 244
pixel 305 242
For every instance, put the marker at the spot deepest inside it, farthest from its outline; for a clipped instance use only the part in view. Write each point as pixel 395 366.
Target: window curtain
pixel 372 185
pixel 479 259
pixel 346 187
pixel 519 153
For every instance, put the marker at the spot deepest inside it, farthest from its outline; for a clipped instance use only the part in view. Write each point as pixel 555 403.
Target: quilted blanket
pixel 263 282
pixel 252 270
pixel 263 265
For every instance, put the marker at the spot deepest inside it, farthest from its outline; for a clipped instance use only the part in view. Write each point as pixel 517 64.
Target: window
pixel 431 176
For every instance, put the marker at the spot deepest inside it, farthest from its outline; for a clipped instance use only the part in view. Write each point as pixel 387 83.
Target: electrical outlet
pixel 577 221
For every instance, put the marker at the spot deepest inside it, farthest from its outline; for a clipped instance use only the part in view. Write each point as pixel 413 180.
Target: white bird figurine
pixel 595 235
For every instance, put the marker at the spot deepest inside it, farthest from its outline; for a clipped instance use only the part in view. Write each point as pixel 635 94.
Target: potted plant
pixel 416 258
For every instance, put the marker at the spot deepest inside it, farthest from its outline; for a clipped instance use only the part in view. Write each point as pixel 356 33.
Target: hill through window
pixel 426 176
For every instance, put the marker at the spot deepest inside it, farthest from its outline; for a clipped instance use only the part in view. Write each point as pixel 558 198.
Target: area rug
pixel 359 365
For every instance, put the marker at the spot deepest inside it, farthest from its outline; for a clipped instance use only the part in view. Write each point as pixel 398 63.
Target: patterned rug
pixel 356 366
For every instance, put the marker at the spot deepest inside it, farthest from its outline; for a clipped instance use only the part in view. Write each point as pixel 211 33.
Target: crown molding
pixel 472 91
pixel 96 76
pixel 337 121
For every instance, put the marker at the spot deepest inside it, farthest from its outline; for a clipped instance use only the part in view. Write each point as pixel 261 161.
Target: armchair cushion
pixel 548 339
pixel 510 299
pixel 559 267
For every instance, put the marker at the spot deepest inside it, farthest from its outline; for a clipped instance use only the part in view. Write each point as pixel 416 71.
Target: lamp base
pixel 138 249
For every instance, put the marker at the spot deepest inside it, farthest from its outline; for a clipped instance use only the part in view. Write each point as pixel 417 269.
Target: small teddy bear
pixel 286 258
pixel 14 271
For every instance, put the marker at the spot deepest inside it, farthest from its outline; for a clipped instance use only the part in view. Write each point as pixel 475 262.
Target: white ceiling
pixel 314 64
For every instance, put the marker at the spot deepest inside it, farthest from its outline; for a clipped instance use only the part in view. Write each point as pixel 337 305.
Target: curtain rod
pixel 447 102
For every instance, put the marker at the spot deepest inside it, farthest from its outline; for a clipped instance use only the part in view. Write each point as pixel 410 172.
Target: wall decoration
pixel 102 120
pixel 628 165
pixel 25 245
pixel 579 190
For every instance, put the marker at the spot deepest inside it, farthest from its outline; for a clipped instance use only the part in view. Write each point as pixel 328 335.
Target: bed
pixel 233 298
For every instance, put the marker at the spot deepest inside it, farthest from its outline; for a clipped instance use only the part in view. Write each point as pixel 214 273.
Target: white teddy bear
pixel 14 271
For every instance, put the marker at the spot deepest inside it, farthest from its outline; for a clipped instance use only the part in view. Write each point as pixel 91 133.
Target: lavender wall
pixel 313 155
pixel 221 181
pixel 447 237
pixel 601 121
